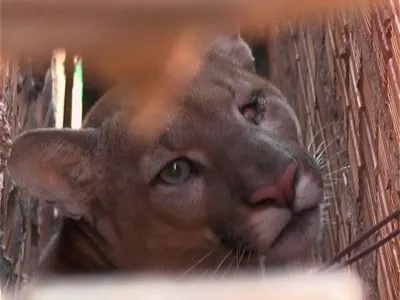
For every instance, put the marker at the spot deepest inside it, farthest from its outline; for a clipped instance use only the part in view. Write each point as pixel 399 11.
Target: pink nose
pixel 280 193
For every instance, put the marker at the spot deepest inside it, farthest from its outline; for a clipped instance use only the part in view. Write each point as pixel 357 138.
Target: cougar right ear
pixel 235 49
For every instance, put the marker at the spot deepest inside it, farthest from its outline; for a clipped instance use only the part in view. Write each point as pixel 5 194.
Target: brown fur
pixel 121 215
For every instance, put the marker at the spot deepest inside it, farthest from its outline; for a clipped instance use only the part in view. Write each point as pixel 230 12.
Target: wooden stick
pixel 76 105
pixel 58 76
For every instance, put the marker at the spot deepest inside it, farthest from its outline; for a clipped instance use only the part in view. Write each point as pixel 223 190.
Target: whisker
pixel 331 180
pixel 222 262
pixel 197 263
pixel 249 256
pixel 237 258
pixel 262 266
pixel 324 149
pixel 321 163
pixel 229 267
pixel 319 159
pixel 241 257
pixel 319 149
pixel 204 273
pixel 240 260
pixel 324 165
pixel 337 171
pixel 336 154
pixel 332 184
pixel 318 132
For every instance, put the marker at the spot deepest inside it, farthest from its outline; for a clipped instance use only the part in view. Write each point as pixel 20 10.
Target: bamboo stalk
pixel 58 76
pixel 76 105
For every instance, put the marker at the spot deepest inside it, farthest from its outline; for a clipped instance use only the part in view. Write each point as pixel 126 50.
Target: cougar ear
pixel 57 166
pixel 235 49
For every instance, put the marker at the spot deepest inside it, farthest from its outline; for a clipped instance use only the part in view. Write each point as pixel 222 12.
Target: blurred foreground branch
pixel 300 286
pixel 124 38
pixel 141 40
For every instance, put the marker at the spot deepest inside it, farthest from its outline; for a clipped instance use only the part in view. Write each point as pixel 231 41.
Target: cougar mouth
pixel 271 257
pixel 288 238
pixel 297 219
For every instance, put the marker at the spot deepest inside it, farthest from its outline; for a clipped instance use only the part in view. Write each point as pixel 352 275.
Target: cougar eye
pixel 255 108
pixel 249 111
pixel 176 172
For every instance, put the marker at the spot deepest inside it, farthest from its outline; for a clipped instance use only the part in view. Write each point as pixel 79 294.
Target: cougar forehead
pixel 215 98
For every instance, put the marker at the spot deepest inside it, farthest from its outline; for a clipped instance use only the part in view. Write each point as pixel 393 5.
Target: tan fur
pixel 120 214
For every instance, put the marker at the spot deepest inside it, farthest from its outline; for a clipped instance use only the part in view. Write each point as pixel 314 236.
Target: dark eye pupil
pixel 174 170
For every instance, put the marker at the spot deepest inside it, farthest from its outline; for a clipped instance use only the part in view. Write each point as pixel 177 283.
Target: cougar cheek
pixel 182 203
pixel 281 120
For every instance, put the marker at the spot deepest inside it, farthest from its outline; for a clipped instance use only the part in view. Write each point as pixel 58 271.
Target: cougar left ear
pixel 57 166
pixel 235 49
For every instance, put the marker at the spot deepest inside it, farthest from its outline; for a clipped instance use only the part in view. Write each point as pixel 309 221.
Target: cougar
pixel 227 182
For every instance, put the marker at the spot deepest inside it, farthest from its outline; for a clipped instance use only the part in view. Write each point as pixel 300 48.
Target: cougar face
pixel 225 183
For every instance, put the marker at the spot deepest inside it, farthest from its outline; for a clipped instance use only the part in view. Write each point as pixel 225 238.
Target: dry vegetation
pixel 342 74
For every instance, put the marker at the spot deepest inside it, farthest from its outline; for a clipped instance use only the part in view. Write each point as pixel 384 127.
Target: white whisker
pixel 337 171
pixel 318 132
pixel 222 262
pixel 326 146
pixel 332 180
pixel 227 269
pixel 241 258
pixel 197 263
pixel 203 274
pixel 336 154
pixel 262 266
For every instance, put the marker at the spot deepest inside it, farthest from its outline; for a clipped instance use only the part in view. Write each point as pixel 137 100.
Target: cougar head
pixel 227 180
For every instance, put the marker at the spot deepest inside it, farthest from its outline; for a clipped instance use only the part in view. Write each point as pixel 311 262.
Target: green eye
pixel 176 172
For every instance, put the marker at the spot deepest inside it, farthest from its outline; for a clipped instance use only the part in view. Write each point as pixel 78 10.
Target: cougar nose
pixel 281 193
